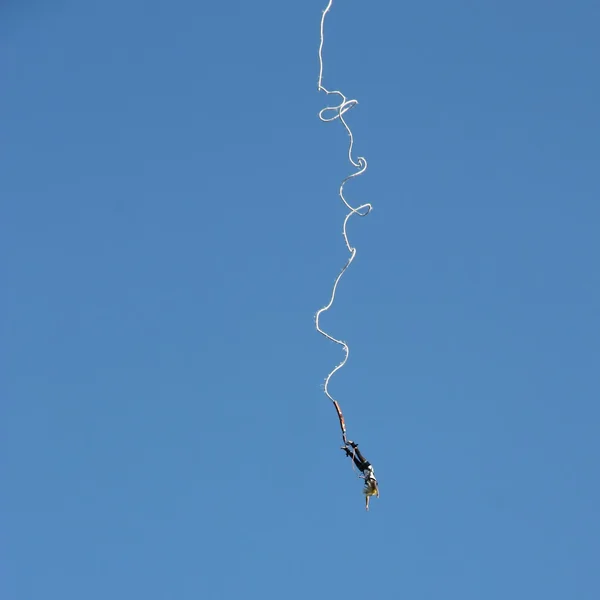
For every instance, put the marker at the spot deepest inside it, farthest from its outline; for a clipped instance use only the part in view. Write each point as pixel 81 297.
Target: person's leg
pixel 357 457
pixel 360 465
pixel 363 460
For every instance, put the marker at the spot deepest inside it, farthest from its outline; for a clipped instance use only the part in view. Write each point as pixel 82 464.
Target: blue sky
pixel 171 224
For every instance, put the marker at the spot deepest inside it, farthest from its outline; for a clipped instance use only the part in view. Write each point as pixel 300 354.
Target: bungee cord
pixel 328 114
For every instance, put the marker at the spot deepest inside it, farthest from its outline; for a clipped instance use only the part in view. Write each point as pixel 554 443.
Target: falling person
pixel 364 466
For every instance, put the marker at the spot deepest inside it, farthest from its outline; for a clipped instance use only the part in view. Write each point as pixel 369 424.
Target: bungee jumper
pixel 364 466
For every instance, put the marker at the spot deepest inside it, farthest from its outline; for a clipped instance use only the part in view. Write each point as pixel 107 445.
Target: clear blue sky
pixel 171 224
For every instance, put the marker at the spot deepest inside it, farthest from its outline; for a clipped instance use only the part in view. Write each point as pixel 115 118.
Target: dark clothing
pixel 359 460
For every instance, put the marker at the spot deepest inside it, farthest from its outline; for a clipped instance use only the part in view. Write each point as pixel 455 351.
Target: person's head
pixel 371 488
